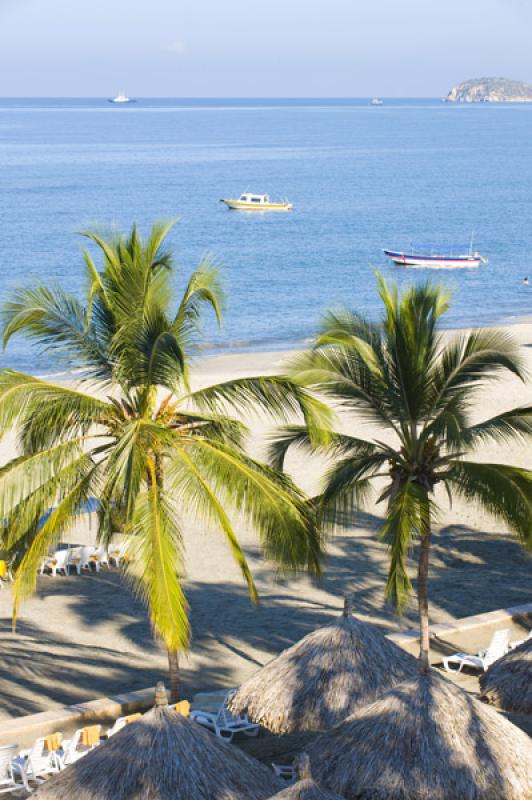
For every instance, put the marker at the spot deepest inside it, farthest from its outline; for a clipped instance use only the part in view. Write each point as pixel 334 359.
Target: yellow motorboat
pixel 257 202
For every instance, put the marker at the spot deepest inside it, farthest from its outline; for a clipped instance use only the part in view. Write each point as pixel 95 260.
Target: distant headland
pixel 491 90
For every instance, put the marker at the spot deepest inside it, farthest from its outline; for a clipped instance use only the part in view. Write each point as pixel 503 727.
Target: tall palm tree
pixel 151 450
pixel 403 377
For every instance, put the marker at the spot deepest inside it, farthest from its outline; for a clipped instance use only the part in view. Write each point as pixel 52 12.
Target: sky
pixel 259 48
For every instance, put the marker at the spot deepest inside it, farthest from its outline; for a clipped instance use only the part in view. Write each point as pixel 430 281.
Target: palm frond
pixel 505 428
pixel 504 491
pixel 59 325
pixel 155 564
pixel 24 475
pixel 408 507
pixel 278 396
pixel 193 491
pixel 47 411
pixel 58 521
pixel 347 483
pixel 278 511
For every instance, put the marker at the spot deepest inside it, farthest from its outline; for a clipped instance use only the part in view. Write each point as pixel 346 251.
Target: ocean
pixel 361 178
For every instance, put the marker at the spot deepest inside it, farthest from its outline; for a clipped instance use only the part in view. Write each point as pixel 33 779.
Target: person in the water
pixel 525 281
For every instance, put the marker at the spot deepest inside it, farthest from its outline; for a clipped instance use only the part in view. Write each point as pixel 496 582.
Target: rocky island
pixel 491 90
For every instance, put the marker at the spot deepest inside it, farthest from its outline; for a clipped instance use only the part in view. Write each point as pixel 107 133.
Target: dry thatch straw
pixel 324 678
pixel 508 682
pixel 306 788
pixel 163 756
pixel 425 739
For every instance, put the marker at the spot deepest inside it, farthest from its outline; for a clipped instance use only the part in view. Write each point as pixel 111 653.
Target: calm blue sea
pixel 361 177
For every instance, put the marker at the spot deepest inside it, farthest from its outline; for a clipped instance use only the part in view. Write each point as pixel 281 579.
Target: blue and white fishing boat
pixel 437 257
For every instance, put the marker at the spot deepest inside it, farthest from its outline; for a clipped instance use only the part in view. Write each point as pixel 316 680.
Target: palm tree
pixel 419 388
pixel 147 447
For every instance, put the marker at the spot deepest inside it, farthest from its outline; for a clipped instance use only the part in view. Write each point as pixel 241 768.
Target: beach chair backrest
pixel 90 736
pixel 183 708
pixel 85 554
pixel 39 757
pixel 121 722
pixel 72 746
pixel 61 558
pixel 498 645
pixel 53 741
pixel 99 554
pixel 75 555
pixel 7 754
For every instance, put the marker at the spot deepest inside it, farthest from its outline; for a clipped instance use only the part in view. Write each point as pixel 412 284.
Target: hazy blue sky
pixel 259 47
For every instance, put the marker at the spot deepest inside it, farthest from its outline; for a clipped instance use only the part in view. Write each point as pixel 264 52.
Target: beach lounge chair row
pixel 80 558
pixel 500 645
pixel 50 754
pixel 47 756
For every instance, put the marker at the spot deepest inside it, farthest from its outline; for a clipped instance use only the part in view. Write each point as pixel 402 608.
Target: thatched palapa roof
pixel 508 682
pixel 323 678
pixel 425 738
pixel 306 788
pixel 163 756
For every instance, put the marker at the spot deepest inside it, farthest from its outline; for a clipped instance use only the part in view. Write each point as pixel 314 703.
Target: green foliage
pixel 419 387
pixel 151 451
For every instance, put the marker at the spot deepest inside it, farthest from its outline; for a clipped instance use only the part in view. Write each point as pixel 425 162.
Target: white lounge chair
pixel 83 741
pixel 57 562
pixel 118 553
pixel 519 642
pixel 36 764
pixel 8 781
pixel 121 722
pixel 100 557
pixel 500 642
pixel 287 772
pixel 87 559
pixel 223 723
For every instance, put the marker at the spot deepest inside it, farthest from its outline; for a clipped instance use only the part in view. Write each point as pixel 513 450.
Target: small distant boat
pixel 121 97
pixel 437 258
pixel 377 102
pixel 256 202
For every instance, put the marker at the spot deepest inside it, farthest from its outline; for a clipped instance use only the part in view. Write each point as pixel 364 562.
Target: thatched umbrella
pixel 425 738
pixel 508 682
pixel 323 678
pixel 306 788
pixel 163 756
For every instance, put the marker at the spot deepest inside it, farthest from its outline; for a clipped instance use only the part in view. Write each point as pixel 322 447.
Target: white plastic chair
pixel 37 763
pixel 500 642
pixel 223 723
pixel 519 642
pixel 100 557
pixel 57 562
pixel 73 749
pixel 117 553
pixel 121 722
pixel 287 772
pixel 8 781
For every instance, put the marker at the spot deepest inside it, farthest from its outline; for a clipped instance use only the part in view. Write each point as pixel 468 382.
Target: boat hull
pixel 237 205
pixel 434 262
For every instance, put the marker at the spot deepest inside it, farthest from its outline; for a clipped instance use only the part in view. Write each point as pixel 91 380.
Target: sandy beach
pixel 81 637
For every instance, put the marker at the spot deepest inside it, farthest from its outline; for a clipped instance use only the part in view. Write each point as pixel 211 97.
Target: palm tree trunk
pixel 423 596
pixel 174 675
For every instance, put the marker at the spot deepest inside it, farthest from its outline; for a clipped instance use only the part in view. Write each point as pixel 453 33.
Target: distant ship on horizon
pixel 121 97
pixel 376 102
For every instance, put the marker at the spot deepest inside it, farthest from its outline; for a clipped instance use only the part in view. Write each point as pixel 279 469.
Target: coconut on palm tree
pixel 418 387
pixel 140 441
